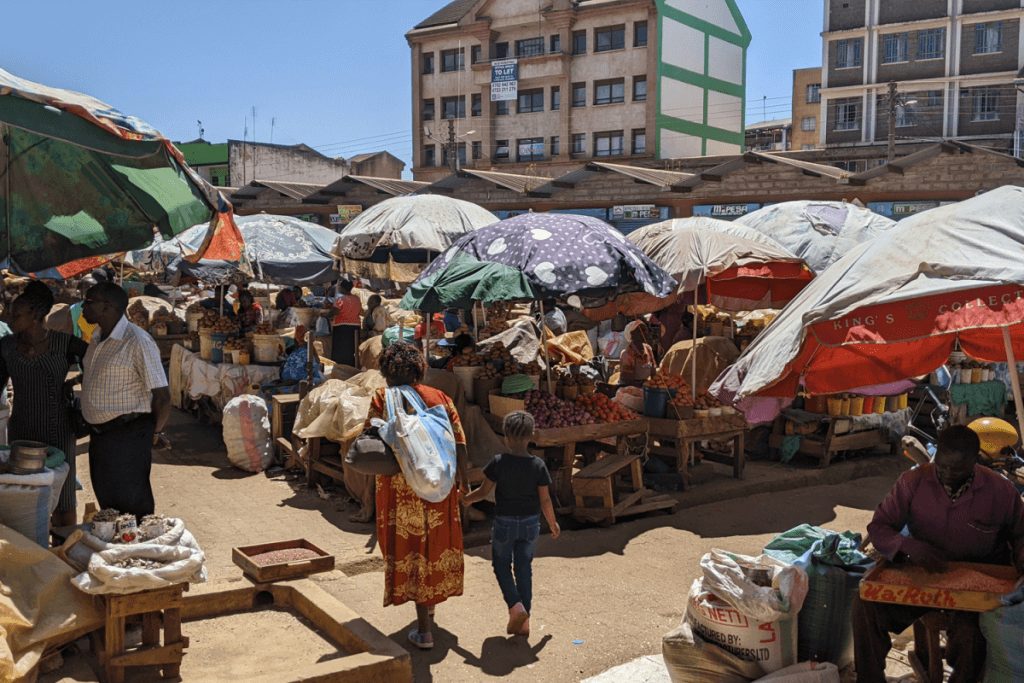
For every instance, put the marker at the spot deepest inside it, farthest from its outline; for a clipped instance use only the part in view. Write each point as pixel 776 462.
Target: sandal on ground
pixel 517 616
pixel 524 630
pixel 424 641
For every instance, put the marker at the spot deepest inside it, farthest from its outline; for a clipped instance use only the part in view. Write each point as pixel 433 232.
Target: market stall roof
pixel 297 191
pixel 894 307
pixel 899 166
pixel 819 232
pixel 741 268
pixel 83 180
pixel 523 184
pixel 737 163
pixel 339 188
pixel 650 176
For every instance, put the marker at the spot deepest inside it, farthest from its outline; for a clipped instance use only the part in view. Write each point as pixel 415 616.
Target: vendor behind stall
pixel 674 324
pixel 637 360
pixel 250 313
pixel 956 510
pixel 376 319
pixel 464 343
pixel 286 315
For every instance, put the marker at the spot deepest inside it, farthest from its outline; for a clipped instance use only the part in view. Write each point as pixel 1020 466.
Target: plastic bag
pixel 103 576
pixel 834 566
pixel 323 327
pixel 423 441
pixel 247 433
pixel 724 577
pixel 1003 629
pixel 691 659
pixel 804 672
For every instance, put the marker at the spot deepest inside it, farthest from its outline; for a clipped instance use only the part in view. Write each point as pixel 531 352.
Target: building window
pixel 988 38
pixel 555 43
pixel 453 107
pixel 501 108
pixel 608 144
pixel 477 105
pixel 501 149
pixel 806 147
pixel 610 92
pixel 639 88
pixel 531 101
pixel 554 146
pixel 814 93
pixel 931 43
pixel 906 115
pixel 808 123
pixel 640 34
pixel 474 54
pixel 609 38
pixel 500 50
pixel 986 104
pixel 848 53
pixel 428 156
pixel 639 141
pixel 531 47
pixel 428 110
pixel 848 114
pixel 579 94
pixel 934 98
pixel 556 98
pixel 530 149
pixel 579 143
pixel 453 60
pixel 461 155
pixel 428 62
pixel 579 42
pixel 478 149
pixel 895 48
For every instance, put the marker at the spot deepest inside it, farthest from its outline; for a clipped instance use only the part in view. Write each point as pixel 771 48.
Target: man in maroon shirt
pixel 955 510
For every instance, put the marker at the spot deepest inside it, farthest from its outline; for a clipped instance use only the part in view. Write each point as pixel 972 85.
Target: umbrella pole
pixel 1014 379
pixel 544 343
pixel 476 325
pixel 693 345
pixel 426 347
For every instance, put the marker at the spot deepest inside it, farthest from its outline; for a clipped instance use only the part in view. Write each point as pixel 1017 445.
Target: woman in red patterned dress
pixel 421 541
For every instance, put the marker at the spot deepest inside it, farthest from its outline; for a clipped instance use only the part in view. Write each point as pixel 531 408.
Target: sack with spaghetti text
pixel 247 433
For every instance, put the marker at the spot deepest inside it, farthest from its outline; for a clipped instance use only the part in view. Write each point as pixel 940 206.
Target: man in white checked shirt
pixel 125 400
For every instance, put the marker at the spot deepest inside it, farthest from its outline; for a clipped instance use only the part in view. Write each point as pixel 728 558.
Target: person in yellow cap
pixel 72 321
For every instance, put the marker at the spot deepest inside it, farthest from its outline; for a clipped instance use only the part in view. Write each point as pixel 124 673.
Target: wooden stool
pixel 598 480
pixel 157 607
pixel 927 655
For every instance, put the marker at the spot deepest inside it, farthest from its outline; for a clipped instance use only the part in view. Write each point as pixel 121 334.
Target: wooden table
pixel 166 342
pixel 837 438
pixel 684 434
pixel 567 439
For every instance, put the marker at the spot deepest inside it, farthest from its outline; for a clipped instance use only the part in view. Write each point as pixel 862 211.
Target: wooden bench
pixel 597 481
pixel 678 438
pixel 160 608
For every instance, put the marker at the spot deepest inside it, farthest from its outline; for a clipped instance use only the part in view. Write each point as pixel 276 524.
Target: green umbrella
pixel 464 281
pixel 80 179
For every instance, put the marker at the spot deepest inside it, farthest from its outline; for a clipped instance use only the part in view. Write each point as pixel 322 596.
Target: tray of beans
pixel 281 560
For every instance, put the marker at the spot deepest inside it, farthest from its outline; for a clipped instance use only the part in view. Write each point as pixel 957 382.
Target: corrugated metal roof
pixel 347 183
pixel 808 167
pixel 651 176
pixel 257 187
pixel 755 158
pixel 449 14
pixel 946 147
pixel 523 184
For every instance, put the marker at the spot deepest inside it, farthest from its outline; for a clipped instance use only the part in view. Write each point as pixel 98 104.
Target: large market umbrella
pixel 80 179
pixel 741 268
pixel 281 250
pixel 894 307
pixel 818 232
pixel 392 240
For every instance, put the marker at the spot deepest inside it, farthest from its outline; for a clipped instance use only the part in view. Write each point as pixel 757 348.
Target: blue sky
pixel 332 74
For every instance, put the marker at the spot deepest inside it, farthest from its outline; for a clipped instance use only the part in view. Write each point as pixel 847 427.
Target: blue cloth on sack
pixel 295 367
pixel 984 398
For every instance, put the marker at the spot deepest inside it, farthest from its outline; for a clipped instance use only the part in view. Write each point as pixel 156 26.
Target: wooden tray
pixel 282 570
pixel 873 590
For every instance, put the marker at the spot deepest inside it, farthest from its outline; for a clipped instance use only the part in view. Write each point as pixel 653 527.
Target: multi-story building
pixel 624 79
pixel 769 136
pixel 806 108
pixel 208 159
pixel 954 63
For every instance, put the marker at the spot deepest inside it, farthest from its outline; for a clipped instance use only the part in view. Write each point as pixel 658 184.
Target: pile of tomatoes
pixel 664 380
pixel 604 409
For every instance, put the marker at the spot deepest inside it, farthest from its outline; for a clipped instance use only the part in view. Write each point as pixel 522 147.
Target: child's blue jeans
pixel 512 543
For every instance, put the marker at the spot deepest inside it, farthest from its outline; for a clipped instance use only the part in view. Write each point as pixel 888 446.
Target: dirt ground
pixel 616 589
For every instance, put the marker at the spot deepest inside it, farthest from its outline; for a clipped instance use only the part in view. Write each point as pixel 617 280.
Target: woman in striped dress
pixel 37 360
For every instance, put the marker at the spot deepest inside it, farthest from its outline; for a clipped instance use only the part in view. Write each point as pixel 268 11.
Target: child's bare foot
pixel 517 616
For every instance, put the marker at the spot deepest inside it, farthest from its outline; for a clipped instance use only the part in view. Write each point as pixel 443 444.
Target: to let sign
pixel 504 80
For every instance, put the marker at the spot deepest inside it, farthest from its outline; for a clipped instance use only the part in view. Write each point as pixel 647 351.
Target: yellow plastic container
pixel 904 400
pixel 977 375
pixel 835 405
pixel 856 406
pixel 879 405
pixel 845 406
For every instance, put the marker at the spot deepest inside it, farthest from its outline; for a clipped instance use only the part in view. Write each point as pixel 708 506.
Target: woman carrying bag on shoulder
pixel 421 541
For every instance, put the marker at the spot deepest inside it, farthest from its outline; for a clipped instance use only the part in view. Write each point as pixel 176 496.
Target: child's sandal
pixel 424 641
pixel 517 615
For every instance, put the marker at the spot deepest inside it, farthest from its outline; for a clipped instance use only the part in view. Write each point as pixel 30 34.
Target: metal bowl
pixel 27 457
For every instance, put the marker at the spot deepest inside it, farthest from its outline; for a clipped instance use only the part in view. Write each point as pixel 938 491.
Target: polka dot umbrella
pixel 579 259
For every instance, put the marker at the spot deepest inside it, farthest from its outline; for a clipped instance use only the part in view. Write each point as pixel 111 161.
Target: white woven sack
pixel 102 577
pixel 247 433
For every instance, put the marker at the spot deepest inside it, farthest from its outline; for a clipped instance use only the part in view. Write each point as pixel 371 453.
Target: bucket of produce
pixel 655 402
pixel 856 406
pixel 266 347
pixel 835 405
pixel 217 340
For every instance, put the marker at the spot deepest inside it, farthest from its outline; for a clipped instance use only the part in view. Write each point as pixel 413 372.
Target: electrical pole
pixel 453 162
pixel 892 121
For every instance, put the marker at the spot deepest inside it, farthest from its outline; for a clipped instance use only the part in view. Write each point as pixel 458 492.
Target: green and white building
pixel 616 80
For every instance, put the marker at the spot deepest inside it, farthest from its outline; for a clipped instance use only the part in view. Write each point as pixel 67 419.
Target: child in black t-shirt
pixel 522 493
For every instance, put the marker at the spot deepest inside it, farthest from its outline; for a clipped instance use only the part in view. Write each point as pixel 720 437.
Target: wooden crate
pixel 283 570
pixel 873 590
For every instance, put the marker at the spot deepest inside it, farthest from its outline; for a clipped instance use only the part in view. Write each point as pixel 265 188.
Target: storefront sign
pixel 726 212
pixel 504 80
pixel 634 212
pixel 335 219
pixel 309 217
pixel 533 148
pixel 898 210
pixel 346 212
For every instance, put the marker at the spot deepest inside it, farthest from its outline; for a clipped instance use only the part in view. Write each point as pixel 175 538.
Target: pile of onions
pixel 550 412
